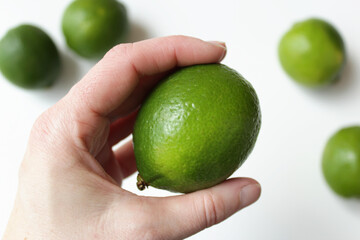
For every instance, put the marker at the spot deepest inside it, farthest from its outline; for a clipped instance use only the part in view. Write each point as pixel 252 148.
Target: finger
pixel 115 77
pixel 108 162
pixel 121 128
pixel 119 164
pixel 205 208
pixel 138 95
pixel 126 159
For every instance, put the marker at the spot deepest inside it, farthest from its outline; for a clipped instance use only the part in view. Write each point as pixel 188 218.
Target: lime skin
pixel 341 162
pixel 29 57
pixel 92 27
pixel 195 129
pixel 312 52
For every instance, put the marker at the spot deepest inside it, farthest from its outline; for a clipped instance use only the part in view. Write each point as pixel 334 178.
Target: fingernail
pixel 219 44
pixel 249 194
pixel 222 45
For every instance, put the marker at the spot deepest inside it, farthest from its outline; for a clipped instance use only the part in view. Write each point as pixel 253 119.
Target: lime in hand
pixel 92 27
pixel 341 162
pixel 195 129
pixel 312 52
pixel 28 57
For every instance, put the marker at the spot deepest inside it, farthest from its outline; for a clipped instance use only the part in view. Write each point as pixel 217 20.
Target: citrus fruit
pixel 341 162
pixel 312 52
pixel 28 57
pixel 195 129
pixel 92 27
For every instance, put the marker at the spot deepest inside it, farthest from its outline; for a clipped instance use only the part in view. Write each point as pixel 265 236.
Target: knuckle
pixel 141 211
pixel 40 141
pixel 124 54
pixel 179 37
pixel 213 209
pixel 120 50
pixel 41 128
pixel 51 127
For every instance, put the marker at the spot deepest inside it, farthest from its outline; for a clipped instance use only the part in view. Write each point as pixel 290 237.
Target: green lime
pixel 28 57
pixel 92 27
pixel 195 129
pixel 312 52
pixel 341 162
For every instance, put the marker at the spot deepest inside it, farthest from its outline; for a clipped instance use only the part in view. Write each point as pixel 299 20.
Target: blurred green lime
pixel 28 57
pixel 312 52
pixel 341 162
pixel 92 27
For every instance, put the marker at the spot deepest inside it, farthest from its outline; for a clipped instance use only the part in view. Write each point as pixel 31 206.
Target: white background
pixel 296 202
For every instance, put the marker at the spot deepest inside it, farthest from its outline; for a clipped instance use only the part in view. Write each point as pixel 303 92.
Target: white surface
pixel 295 203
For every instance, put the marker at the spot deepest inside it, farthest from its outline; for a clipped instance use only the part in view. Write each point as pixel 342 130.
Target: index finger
pixel 114 78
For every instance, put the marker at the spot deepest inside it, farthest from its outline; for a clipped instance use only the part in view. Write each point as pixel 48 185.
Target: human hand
pixel 70 178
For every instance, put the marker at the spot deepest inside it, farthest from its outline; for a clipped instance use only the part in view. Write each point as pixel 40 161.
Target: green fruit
pixel 341 162
pixel 92 27
pixel 195 129
pixel 28 57
pixel 312 52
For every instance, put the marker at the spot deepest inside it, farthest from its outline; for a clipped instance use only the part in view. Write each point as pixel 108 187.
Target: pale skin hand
pixel 70 178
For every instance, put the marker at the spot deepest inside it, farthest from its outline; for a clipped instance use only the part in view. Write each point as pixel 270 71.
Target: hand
pixel 70 178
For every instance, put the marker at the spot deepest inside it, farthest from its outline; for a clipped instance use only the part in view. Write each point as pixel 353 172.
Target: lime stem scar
pixel 141 184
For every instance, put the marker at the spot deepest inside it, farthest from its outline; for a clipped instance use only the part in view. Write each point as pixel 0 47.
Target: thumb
pixel 190 213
